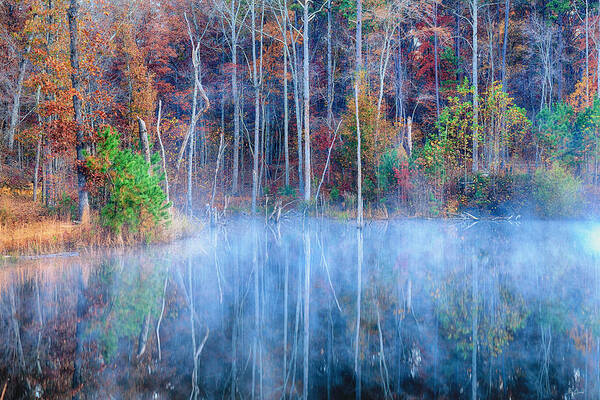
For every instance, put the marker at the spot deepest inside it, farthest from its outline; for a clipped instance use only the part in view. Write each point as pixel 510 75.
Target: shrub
pixel 557 193
pixel 376 135
pixel 287 191
pixel 389 162
pixel 334 194
pixel 65 208
pixel 137 203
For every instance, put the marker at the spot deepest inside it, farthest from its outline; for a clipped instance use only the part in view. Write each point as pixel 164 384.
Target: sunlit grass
pixel 27 228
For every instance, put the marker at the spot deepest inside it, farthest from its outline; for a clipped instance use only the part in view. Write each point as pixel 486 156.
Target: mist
pixel 315 309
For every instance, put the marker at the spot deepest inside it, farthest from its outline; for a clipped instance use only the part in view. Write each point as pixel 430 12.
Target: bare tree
pixel 474 8
pixel 257 82
pixel 38 147
pixel 436 65
pixel 359 71
pixel 587 52
pixel 545 55
pixel 18 91
pixel 162 149
pixel 505 42
pixel 198 91
pixel 232 15
pixel 306 82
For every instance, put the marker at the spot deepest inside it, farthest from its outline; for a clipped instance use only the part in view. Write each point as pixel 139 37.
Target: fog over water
pixel 313 308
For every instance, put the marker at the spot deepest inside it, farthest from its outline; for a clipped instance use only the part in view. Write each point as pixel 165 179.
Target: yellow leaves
pixel 578 99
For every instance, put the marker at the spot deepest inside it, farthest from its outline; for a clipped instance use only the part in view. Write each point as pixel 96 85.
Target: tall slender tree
pixel 357 85
pixel 73 17
pixel 474 6
pixel 306 82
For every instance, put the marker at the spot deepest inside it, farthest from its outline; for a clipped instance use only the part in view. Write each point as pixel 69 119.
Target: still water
pixel 401 310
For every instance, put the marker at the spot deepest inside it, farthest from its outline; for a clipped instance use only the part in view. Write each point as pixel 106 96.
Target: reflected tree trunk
pixel 474 327
pixel 256 342
pixel 196 349
pixel 234 325
pixel 357 371
pixel 82 306
pixel 143 338
pixel 305 383
pixel 40 321
pixel 162 312
pixel 16 327
pixel 285 320
pixel 383 369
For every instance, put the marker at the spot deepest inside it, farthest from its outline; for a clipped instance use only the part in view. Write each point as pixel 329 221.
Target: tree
pixel 84 206
pixel 137 203
pixel 357 83
pixel 231 14
pixel 306 82
pixel 474 8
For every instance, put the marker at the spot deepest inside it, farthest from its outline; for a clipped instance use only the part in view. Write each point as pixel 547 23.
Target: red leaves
pixel 403 176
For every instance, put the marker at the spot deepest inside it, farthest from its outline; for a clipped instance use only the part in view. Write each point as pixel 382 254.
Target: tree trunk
pixel 505 42
pixel 38 148
pixel 359 67
pixel 409 135
pixel 306 82
pixel 236 102
pixel 475 83
pixel 436 60
pixel 190 165
pixel 598 66
pixel 587 53
pixel 14 115
pixel 329 71
pixel 144 144
pixel 162 149
pixel 256 110
pixel 294 63
pixel 286 114
pixel 84 206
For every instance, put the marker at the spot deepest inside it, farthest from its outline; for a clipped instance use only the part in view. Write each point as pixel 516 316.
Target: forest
pixel 299 199
pixel 119 109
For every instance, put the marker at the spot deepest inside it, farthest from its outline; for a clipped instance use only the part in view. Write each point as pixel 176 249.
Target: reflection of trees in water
pixel 274 312
pixel 479 312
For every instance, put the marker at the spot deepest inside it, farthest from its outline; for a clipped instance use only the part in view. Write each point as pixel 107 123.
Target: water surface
pixel 408 309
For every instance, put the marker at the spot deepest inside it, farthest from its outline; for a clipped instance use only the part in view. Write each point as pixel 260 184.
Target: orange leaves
pixel 578 99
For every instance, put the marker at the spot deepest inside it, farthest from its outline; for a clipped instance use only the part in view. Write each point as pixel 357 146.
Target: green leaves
pixel 137 202
pixel 557 193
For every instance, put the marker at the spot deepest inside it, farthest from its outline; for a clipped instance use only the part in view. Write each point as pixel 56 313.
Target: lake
pixel 313 308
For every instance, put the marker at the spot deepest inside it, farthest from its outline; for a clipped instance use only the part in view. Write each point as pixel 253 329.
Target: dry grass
pixel 27 229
